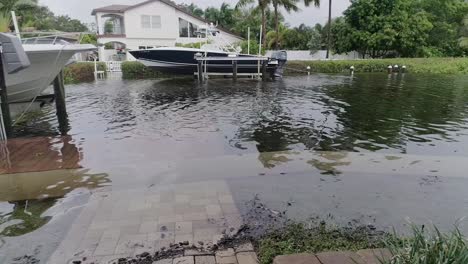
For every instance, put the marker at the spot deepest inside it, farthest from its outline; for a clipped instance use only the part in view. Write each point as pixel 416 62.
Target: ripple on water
pixel 370 112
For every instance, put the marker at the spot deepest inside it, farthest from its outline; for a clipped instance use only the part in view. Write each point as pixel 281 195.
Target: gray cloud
pixel 81 9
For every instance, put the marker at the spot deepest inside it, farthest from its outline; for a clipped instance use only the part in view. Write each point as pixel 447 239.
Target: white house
pixel 153 23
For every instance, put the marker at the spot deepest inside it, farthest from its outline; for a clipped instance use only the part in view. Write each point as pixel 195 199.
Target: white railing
pixel 52 37
pixel 114 66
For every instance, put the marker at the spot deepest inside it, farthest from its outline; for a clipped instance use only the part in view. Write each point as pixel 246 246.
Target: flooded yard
pixel 371 148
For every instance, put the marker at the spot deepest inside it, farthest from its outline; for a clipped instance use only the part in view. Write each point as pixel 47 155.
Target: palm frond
pixel 314 2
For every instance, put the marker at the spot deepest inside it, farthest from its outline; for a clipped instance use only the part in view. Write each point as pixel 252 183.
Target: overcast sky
pixel 81 9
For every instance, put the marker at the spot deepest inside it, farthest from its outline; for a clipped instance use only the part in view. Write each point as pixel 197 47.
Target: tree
pixel 6 6
pixel 262 5
pixel 193 9
pixel 447 17
pixel 379 28
pixel 224 16
pixel 463 41
pixel 275 39
pixel 288 5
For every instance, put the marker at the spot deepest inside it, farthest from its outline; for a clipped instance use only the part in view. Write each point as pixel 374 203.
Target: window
pixel 187 29
pixel 156 21
pixel 183 28
pixel 150 21
pixel 145 21
pixel 141 47
pixel 192 30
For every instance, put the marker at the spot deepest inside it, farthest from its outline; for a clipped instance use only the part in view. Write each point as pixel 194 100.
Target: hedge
pixel 413 65
pixel 136 70
pixel 81 72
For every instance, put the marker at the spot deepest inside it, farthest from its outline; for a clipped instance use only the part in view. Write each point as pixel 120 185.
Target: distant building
pixel 153 23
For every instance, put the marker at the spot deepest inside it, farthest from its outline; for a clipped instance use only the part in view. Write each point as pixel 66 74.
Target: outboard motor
pixel 282 57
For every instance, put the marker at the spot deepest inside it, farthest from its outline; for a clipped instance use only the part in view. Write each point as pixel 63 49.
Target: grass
pixel 414 65
pixel 421 247
pixel 302 238
pixel 429 247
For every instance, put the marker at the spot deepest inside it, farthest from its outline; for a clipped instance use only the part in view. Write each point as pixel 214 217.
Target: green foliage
pixel 253 47
pixel 41 18
pixel 192 8
pixel 425 247
pixel 6 6
pixel 393 26
pixel 109 46
pixel 194 45
pixel 300 238
pixel 414 65
pixel 224 16
pixel 402 28
pixel 81 72
pixel 136 70
pixel 447 18
pixel 89 39
pixel 108 27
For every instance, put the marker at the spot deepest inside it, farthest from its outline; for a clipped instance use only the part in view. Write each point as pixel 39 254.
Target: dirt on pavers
pixel 258 221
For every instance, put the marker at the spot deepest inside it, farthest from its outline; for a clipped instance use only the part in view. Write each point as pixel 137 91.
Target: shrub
pixel 81 72
pixel 414 65
pixel 136 70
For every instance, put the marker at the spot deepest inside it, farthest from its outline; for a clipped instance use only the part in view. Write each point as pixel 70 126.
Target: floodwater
pixel 373 147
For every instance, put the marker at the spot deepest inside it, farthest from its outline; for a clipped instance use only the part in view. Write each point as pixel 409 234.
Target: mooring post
pixel 4 100
pixel 62 116
pixel 264 70
pixel 234 70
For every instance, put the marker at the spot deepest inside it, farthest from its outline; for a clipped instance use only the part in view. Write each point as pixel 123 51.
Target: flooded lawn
pixel 372 148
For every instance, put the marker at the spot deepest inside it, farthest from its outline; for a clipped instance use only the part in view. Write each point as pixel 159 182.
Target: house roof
pixel 123 8
pixel 111 9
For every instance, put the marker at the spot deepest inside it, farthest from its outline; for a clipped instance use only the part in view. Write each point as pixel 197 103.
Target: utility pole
pixel 329 28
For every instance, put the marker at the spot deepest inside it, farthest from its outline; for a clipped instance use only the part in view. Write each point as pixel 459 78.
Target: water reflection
pixel 25 216
pixel 35 173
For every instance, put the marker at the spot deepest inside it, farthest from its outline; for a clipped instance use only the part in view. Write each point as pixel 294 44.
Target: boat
pixel 48 56
pixel 181 60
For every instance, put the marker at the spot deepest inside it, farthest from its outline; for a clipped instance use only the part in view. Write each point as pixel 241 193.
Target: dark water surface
pixel 302 138
pixel 412 114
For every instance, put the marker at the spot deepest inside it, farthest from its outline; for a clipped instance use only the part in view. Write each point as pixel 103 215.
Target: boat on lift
pixel 180 60
pixel 48 55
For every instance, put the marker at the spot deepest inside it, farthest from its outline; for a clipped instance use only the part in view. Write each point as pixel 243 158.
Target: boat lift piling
pixel 6 117
pixel 60 106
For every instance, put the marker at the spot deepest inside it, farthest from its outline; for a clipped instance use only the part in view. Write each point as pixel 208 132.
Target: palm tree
pixel 275 39
pixel 6 6
pixel 262 5
pixel 288 5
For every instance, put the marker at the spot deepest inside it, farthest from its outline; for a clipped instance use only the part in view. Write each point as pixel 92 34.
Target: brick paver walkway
pixel 118 224
pixel 367 256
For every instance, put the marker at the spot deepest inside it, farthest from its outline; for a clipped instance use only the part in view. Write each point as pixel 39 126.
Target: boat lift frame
pixel 203 74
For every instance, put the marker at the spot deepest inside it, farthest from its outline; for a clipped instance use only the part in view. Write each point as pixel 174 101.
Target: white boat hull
pixel 46 62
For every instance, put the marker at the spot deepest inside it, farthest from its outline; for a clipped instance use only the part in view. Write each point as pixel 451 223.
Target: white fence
pixel 307 55
pixel 114 66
